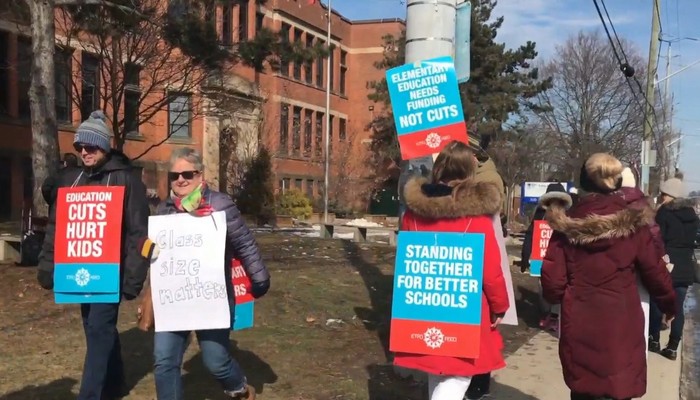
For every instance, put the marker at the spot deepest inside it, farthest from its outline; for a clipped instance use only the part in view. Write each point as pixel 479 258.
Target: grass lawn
pixel 321 333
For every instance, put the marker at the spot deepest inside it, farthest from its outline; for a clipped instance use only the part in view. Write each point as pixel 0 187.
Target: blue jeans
pixel 103 370
pixel 655 317
pixel 169 349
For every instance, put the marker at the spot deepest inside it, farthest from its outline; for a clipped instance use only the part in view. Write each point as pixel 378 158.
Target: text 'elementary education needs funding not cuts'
pixel 427 107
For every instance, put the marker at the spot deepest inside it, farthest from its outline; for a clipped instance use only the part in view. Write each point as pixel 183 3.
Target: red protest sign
pixel 89 224
pixel 241 283
pixel 540 240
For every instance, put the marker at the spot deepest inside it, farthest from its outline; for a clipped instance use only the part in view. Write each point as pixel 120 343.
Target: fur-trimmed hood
pixel 677 204
pixel 467 198
pixel 597 219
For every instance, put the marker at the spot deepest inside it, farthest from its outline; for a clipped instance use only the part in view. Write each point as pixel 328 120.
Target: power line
pixel 625 64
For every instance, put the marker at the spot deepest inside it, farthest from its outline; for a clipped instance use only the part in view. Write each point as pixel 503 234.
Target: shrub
pixel 256 197
pixel 294 203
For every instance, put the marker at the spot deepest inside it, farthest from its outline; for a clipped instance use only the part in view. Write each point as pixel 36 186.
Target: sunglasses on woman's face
pixel 88 148
pixel 173 176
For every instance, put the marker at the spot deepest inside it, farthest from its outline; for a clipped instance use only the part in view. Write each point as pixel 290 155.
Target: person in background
pixel 549 312
pixel 190 194
pixel 598 249
pixel 453 201
pixel 103 370
pixel 486 171
pixel 49 188
pixel 678 224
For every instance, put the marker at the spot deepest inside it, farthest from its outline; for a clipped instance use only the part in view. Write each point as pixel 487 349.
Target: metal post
pixel 667 167
pixel 327 146
pixel 430 33
pixel 649 108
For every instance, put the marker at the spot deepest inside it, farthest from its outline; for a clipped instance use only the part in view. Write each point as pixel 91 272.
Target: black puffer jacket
pixel 116 171
pixel 679 224
pixel 240 242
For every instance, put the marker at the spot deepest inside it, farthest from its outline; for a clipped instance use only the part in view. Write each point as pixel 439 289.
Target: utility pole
pixel 668 116
pixel 430 33
pixel 649 106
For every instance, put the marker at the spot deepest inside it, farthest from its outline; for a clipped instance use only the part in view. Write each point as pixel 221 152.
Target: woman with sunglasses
pixel 103 371
pixel 190 194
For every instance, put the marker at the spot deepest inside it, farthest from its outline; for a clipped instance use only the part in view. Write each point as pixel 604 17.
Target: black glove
pixel 260 288
pixel 45 279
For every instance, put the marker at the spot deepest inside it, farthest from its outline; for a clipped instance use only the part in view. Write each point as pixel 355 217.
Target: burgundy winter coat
pixel 591 269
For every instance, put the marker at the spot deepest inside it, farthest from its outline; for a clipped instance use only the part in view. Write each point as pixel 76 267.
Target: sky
pixel 549 23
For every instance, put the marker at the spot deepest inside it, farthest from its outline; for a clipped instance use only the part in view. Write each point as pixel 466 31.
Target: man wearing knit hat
pixel 103 370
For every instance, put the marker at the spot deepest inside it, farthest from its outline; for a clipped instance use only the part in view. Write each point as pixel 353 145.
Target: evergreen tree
pixel 500 79
pixel 256 197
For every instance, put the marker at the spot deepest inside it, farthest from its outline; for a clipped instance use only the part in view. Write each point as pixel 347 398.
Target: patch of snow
pixel 363 223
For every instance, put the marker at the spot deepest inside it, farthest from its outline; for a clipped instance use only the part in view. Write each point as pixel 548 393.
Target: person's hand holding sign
pixel 496 319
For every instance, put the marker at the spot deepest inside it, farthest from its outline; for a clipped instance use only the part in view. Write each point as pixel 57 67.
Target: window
pixel 227 24
pixel 243 7
pixel 259 21
pixel 296 133
pixel 319 134
pixel 310 188
pixel 24 75
pixel 286 184
pixel 90 90
pixel 342 134
pixel 343 70
pixel 62 67
pixel 297 66
pixel 309 65
pixel 284 64
pixel 308 115
pixel 132 97
pixel 179 115
pixel 298 183
pixel 4 78
pixel 319 70
pixel 331 73
pixel 330 137
pixel 284 128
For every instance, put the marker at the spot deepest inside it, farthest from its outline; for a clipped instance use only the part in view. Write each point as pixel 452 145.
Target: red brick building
pixel 282 110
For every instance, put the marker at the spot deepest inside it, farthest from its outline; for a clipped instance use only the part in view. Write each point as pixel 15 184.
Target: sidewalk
pixel 534 373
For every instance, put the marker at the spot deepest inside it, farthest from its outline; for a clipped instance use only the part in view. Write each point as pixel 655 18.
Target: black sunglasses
pixel 88 148
pixel 173 176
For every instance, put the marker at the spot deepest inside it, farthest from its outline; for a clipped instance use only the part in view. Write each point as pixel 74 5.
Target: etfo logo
pixel 83 277
pixel 433 338
pixel 433 140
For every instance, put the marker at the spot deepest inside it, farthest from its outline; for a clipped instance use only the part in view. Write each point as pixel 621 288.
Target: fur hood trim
pixel 677 204
pixel 594 228
pixel 560 198
pixel 468 198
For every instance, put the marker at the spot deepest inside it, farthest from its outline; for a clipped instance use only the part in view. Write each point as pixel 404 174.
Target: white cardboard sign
pixel 188 282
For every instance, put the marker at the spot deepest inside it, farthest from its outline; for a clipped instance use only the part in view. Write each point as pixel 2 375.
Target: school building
pixel 283 110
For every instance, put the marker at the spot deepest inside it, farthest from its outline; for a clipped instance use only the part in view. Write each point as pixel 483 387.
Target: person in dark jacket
pixel 103 371
pixel 598 249
pixel 537 216
pixel 190 194
pixel 678 224
pixel 49 188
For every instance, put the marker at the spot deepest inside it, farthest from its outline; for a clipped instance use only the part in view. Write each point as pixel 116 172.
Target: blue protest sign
pixel 426 105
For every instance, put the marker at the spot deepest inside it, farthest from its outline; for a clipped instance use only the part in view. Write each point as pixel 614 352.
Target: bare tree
pixel 590 106
pixel 125 68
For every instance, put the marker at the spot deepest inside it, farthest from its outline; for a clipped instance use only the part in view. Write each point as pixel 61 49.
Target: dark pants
pixel 579 396
pixel 479 386
pixel 103 371
pixel 655 317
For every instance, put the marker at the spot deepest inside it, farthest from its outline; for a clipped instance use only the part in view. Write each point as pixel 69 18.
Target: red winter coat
pixel 635 199
pixel 434 208
pixel 591 269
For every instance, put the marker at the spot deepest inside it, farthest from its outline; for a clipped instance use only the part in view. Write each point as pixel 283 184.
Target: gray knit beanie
pixel 94 131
